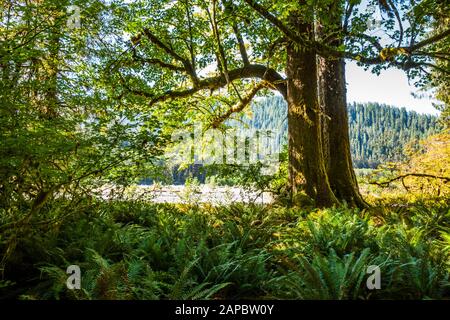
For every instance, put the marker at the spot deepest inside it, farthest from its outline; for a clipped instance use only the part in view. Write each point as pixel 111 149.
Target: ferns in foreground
pixel 134 250
pixel 326 277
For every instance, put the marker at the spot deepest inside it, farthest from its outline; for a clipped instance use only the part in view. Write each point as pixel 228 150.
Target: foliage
pixel 327 277
pixel 79 122
pixel 425 174
pixel 136 250
pixel 61 141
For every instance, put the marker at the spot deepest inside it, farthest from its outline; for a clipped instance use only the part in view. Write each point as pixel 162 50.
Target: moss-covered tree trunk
pixel 333 102
pixel 336 132
pixel 306 158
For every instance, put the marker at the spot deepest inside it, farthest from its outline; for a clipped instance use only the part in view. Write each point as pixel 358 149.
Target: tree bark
pixel 333 104
pixel 333 100
pixel 306 159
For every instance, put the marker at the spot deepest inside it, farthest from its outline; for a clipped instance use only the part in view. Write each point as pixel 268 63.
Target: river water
pixel 218 195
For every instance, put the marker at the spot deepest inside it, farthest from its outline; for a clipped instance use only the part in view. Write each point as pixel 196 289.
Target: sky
pixel 391 88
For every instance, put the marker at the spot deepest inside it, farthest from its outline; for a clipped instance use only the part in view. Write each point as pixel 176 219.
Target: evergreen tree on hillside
pixel 378 133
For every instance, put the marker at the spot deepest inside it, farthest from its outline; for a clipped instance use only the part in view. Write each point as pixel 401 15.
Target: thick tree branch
pixel 321 49
pixel 241 43
pixel 245 101
pixel 385 55
pixel 327 51
pixel 161 45
pixel 274 20
pixel 187 65
pixel 247 72
pixel 153 61
pixel 428 41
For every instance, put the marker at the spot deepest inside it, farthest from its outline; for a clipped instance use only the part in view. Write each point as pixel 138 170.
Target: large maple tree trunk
pixel 333 102
pixel 318 132
pixel 335 134
pixel 306 159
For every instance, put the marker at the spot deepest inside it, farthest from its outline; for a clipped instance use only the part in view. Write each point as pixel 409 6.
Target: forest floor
pixel 141 250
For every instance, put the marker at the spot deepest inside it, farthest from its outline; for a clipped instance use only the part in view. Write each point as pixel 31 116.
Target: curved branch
pixel 241 43
pixel 152 61
pixel 245 101
pixel 428 41
pixel 368 38
pixel 247 72
pixel 188 67
pixel 274 20
pixel 399 21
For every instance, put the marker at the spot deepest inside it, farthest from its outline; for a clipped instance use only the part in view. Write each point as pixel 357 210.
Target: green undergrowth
pixel 137 250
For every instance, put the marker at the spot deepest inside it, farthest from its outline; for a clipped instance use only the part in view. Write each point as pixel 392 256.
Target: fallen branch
pixel 401 177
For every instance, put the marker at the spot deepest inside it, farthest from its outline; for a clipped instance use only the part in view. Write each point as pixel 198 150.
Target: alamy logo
pixel 74 280
pixel 231 146
pixel 374 280
pixel 74 20
pixel 375 20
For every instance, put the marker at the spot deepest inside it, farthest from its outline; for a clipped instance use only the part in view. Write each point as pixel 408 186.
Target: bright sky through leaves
pixel 390 87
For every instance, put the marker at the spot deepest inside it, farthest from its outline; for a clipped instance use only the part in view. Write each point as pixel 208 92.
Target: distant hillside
pixel 378 133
